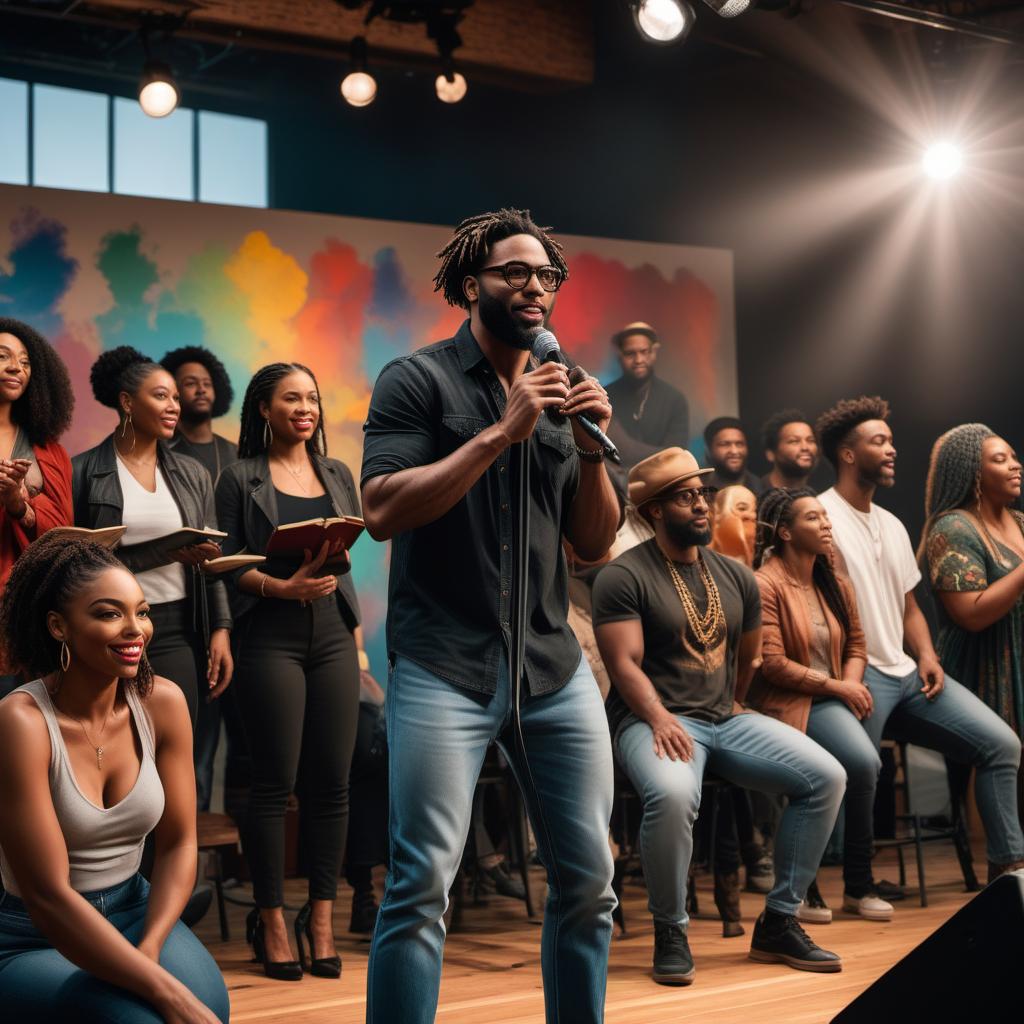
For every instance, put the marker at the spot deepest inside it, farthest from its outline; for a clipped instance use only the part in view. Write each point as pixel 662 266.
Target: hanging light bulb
pixel 359 87
pixel 450 87
pixel 158 92
pixel 663 21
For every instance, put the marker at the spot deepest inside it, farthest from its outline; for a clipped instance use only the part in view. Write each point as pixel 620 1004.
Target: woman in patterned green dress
pixel 973 542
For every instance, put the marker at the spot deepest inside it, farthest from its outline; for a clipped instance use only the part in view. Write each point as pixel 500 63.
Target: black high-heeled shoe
pixel 324 966
pixel 279 970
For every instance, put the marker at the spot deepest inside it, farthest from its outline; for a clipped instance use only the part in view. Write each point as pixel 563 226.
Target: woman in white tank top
pixel 94 754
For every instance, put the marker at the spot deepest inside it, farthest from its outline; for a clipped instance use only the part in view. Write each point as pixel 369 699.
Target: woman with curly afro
pixel 133 478
pixel 36 401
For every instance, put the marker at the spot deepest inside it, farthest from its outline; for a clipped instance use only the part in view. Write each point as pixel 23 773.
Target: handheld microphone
pixel 545 350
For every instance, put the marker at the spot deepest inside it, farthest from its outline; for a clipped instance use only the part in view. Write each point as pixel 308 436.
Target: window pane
pixel 152 155
pixel 13 132
pixel 232 160
pixel 69 138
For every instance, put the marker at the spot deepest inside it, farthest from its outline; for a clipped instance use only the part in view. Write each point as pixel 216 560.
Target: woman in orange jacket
pixel 811 676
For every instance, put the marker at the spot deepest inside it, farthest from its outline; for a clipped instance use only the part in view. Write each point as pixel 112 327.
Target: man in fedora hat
pixel 649 414
pixel 679 628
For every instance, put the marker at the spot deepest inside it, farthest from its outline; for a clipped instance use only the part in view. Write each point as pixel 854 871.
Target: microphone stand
pixel 517 646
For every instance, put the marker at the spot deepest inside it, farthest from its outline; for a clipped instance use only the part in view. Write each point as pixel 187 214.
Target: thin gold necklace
pixel 296 474
pixel 99 749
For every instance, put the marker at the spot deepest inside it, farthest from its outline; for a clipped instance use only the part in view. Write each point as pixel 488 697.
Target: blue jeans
pixel 437 737
pixel 752 751
pixel 40 985
pixel 835 727
pixel 959 725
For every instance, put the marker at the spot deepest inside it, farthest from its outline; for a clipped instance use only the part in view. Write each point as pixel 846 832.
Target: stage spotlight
pixel 942 161
pixel 728 8
pixel 158 93
pixel 663 21
pixel 359 87
pixel 450 89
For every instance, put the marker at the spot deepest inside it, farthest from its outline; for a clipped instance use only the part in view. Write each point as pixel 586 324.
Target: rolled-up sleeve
pixel 400 431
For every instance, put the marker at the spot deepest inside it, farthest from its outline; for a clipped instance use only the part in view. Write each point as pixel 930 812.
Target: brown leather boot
pixel 995 870
pixel 727 900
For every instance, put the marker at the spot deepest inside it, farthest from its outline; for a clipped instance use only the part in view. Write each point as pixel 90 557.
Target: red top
pixel 52 507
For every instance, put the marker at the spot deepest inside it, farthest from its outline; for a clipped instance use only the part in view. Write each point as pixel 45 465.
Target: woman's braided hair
pixel 251 436
pixel 776 509
pixel 954 473
pixel 45 578
pixel 465 252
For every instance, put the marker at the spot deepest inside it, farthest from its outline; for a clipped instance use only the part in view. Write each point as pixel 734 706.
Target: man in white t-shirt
pixel 930 709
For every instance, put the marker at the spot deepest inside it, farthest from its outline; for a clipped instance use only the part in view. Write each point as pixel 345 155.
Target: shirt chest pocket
pixel 457 429
pixel 556 452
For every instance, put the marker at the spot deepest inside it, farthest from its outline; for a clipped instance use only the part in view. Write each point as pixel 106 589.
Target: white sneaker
pixel 813 914
pixel 871 907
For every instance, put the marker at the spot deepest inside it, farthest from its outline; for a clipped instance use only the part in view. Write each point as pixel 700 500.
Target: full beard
pixel 685 535
pixel 499 320
pixel 193 419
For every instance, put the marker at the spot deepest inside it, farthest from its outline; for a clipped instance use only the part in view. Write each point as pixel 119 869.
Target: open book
pixel 183 538
pixel 228 563
pixel 108 537
pixel 294 539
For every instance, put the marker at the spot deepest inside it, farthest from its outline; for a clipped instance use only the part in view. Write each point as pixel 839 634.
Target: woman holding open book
pixel 297 627
pixel 134 479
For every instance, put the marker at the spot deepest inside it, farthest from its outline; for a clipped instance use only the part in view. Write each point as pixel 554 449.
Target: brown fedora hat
pixel 637 328
pixel 653 476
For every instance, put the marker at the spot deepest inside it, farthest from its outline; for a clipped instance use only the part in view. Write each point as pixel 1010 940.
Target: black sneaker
pixel 889 890
pixel 673 964
pixel 779 939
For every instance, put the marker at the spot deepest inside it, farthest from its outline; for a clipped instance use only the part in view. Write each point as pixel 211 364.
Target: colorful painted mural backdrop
pixel 343 295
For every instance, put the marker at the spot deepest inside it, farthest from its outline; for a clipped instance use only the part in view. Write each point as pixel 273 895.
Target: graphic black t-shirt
pixel 689 680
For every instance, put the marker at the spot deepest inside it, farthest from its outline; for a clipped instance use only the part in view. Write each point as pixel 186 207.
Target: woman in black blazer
pixel 133 478
pixel 297 652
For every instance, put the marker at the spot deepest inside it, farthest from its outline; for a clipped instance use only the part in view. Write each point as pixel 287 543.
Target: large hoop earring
pixel 65 656
pixel 124 430
pixel 268 433
pixel 977 491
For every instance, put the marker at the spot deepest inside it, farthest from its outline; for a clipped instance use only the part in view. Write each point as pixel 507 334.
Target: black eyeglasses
pixel 517 275
pixel 689 495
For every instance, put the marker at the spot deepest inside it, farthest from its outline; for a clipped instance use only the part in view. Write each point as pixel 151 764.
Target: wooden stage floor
pixel 492 963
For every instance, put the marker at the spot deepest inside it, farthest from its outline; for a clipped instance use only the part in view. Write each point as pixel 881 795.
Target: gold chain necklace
pixel 296 474
pixel 708 629
pixel 99 750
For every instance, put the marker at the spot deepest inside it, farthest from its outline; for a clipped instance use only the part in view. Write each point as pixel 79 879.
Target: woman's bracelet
pixel 263 585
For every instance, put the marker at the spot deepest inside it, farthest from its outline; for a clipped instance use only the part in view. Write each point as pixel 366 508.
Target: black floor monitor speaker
pixel 973 964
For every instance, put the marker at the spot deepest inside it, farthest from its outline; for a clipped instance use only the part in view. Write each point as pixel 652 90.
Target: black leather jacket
pixel 98 503
pixel 247 512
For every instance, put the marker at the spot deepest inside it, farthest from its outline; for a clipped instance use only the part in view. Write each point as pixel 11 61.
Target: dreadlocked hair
pixel 44 408
pixel 776 509
pixel 954 471
pixel 252 435
pixel 117 371
pixel 223 392
pixel 835 426
pixel 45 578
pixel 772 426
pixel 472 241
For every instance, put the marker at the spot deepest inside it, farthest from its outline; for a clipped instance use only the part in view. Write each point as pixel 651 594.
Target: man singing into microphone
pixel 439 479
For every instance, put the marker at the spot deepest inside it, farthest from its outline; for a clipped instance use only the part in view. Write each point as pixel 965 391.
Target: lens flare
pixel 942 161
